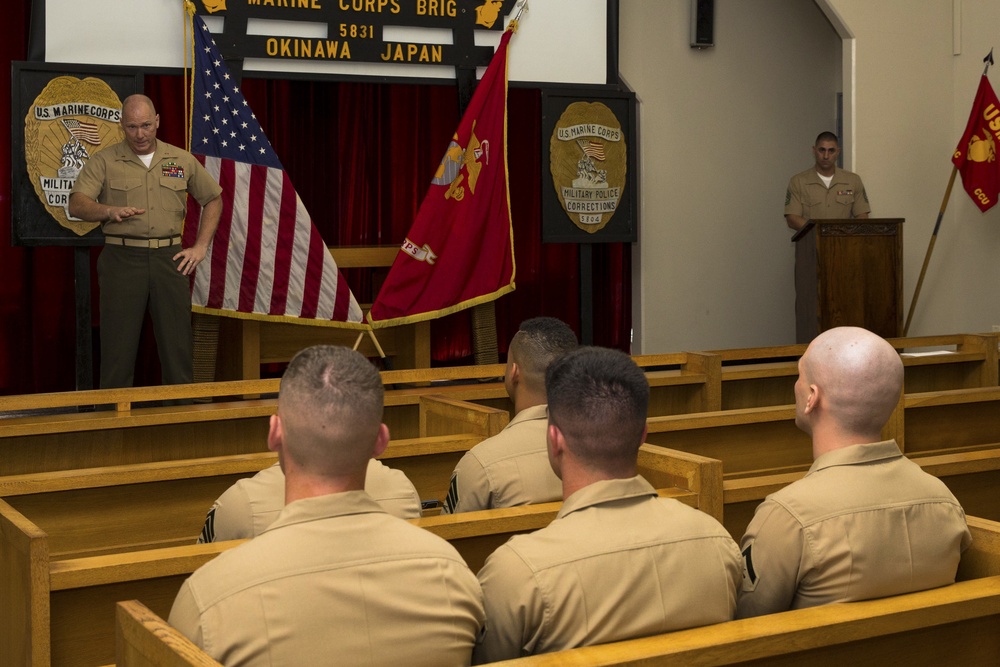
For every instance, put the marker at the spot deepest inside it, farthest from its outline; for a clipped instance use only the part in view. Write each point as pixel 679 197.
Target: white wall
pixel 913 99
pixel 723 129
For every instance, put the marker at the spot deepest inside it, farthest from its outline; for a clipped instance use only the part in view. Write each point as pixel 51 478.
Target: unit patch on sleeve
pixel 749 574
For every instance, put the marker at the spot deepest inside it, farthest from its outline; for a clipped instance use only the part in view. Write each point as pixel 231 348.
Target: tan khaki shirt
pixel 618 562
pixel 334 581
pixel 250 505
pixel 809 197
pixel 117 177
pixel 865 522
pixel 511 468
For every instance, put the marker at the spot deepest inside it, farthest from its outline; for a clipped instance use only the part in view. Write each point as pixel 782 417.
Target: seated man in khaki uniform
pixel 865 522
pixel 335 579
pixel 618 561
pixel 250 505
pixel 512 468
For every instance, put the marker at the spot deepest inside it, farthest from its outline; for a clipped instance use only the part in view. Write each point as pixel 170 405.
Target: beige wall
pixel 721 130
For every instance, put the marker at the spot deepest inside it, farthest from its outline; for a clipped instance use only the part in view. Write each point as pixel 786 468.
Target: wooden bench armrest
pixel 666 468
pixel 440 415
pixel 982 559
pixel 143 639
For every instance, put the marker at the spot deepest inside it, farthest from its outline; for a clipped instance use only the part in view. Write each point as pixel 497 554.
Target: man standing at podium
pixel 825 192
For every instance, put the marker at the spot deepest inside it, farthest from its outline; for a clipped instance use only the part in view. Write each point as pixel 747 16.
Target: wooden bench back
pixel 73 598
pixel 973 477
pixel 951 625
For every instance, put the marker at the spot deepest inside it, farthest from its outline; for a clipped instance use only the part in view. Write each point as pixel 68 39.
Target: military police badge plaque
pixel 587 157
pixel 66 124
pixel 70 113
pixel 590 199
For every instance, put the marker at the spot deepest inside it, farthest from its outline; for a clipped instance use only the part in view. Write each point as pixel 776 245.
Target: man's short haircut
pixel 598 398
pixel 827 136
pixel 540 341
pixel 330 402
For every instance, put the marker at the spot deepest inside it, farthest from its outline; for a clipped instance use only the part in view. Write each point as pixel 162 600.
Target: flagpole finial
pixel 988 60
pixel 520 6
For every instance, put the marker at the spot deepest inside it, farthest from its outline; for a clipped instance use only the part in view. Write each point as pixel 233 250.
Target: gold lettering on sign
pixel 412 53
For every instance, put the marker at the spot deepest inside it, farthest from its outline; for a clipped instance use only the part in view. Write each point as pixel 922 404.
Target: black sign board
pixel 355 30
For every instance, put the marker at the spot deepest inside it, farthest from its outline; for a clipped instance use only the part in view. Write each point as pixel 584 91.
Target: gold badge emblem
pixel 68 122
pixel 488 12
pixel 588 164
pixel 982 150
pixel 212 6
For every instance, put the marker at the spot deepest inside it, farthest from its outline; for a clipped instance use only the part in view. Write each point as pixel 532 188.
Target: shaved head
pixel 859 375
pixel 140 122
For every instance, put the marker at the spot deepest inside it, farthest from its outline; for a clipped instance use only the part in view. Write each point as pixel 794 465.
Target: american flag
pixel 267 259
pixel 82 130
pixel 594 149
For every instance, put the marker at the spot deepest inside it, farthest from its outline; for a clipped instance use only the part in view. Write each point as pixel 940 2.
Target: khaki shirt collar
pixel 867 453
pixel 838 177
pixel 530 414
pixel 605 491
pixel 326 507
pixel 124 153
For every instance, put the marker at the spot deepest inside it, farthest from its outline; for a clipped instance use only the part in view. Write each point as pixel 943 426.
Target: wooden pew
pixel 954 624
pixel 131 433
pixel 736 437
pixel 974 478
pixel 762 376
pixel 143 639
pixel 961 419
pixel 63 609
pixel 128 507
pixel 128 429
pixel 679 383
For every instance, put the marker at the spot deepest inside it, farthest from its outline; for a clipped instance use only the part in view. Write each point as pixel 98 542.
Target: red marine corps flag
pixel 976 155
pixel 267 260
pixel 460 251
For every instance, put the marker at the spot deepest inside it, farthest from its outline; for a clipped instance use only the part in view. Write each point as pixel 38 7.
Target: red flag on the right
pixel 460 250
pixel 976 155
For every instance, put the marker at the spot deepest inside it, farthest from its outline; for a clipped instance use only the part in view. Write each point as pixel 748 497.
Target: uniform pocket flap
pixel 175 184
pixel 124 183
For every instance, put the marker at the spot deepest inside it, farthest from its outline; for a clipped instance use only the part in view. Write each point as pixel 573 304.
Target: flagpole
pixel 930 249
pixel 937 225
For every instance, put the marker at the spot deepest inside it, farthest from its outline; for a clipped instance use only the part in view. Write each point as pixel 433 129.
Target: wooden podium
pixel 849 273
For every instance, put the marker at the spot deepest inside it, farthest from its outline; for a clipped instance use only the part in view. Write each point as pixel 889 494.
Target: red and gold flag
pixel 976 155
pixel 460 250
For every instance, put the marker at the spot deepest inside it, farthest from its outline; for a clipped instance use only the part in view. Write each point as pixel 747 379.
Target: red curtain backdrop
pixel 361 156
